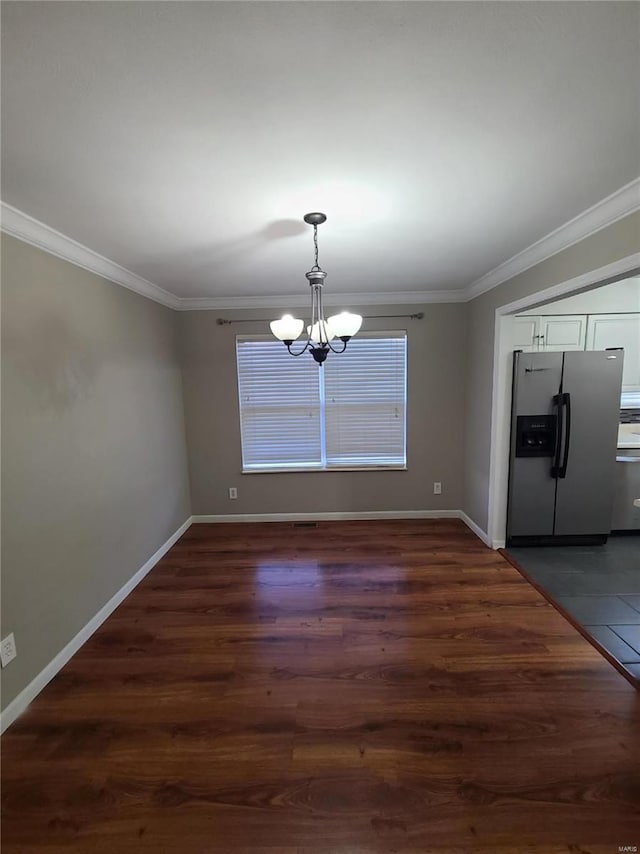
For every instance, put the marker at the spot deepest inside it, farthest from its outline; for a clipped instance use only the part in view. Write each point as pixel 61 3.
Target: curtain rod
pixel 221 321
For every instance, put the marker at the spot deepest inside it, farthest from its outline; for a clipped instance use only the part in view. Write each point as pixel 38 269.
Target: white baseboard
pixel 20 703
pixel 330 517
pixel 354 516
pixel 477 530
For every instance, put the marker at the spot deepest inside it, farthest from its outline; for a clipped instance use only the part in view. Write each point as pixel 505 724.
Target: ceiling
pixel 185 140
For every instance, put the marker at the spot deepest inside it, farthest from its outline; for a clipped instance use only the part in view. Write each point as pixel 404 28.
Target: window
pixel 351 413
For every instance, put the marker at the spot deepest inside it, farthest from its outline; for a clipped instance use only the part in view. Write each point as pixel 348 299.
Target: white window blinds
pixel 351 413
pixel 279 407
pixel 364 395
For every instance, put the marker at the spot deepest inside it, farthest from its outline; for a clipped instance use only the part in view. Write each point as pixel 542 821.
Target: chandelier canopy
pixel 320 332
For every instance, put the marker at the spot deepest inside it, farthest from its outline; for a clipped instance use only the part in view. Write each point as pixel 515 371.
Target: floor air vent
pixel 305 524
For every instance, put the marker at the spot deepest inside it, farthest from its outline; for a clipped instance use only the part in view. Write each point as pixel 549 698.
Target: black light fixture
pixel 320 332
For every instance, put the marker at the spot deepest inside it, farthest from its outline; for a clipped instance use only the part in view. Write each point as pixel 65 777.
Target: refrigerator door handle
pixel 556 401
pixel 566 404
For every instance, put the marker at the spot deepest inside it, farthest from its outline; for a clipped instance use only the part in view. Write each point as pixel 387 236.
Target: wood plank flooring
pixel 353 688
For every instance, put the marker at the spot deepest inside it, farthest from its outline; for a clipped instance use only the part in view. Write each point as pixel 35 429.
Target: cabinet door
pixel 563 332
pixel 618 330
pixel 525 334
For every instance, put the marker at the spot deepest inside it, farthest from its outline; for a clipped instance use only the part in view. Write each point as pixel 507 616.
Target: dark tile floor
pixel 599 586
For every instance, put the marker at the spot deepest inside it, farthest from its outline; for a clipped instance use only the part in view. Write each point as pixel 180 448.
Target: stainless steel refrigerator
pixel 564 431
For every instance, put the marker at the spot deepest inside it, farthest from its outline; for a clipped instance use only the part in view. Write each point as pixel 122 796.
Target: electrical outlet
pixel 8 649
pixel 437 487
pixel 233 492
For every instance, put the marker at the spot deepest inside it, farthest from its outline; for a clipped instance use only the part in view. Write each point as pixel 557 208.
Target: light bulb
pixel 314 332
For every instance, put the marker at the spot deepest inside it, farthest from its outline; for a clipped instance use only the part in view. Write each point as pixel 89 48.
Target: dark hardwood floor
pixel 352 688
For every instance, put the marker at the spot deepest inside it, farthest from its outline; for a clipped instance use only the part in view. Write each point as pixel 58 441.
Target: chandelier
pixel 321 332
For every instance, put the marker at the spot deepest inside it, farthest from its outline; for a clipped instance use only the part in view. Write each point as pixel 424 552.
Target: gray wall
pixel 435 423
pixel 94 475
pixel 612 243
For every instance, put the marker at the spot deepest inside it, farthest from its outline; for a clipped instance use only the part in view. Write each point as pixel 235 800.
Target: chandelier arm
pixel 344 346
pixel 322 332
pixel 314 309
pixel 304 349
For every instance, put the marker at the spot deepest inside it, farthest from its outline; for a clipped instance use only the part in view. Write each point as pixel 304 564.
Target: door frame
pixel 501 396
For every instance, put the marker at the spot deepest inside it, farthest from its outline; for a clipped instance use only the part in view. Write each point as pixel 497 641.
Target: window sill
pixel 323 471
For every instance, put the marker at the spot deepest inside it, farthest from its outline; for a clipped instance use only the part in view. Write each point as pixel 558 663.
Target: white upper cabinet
pixel 618 330
pixel 549 332
pixel 545 333
pixel 564 332
pixel 525 333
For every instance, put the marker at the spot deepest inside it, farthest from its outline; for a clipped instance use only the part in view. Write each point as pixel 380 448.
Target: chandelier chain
pixel 315 243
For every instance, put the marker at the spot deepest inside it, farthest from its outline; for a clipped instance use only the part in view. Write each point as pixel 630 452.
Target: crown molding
pixel 30 230
pixel 301 300
pixel 623 202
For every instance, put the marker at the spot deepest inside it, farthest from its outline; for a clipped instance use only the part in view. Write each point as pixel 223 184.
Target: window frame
pixel 297 468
